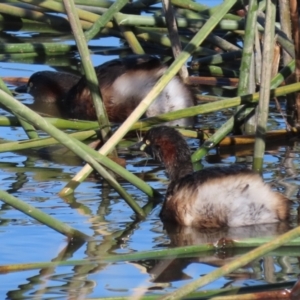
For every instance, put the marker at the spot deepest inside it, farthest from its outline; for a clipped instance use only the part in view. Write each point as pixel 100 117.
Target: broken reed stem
pixel 173 35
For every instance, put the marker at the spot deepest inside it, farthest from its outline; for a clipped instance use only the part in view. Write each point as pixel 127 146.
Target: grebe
pixel 214 197
pixel 123 84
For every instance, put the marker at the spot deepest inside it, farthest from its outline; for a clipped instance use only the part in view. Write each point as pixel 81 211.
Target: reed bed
pixel 214 46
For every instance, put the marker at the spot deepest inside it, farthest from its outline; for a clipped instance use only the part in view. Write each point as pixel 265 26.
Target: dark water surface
pixel 98 211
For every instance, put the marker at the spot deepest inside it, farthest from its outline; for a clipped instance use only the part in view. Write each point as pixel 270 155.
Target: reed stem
pixel 237 263
pixel 264 95
pixel 89 70
pixel 42 217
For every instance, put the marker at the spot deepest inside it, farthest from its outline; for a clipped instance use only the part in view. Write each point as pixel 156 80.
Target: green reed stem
pixel 151 35
pixel 264 99
pixel 42 48
pixel 42 217
pixel 59 7
pixel 222 43
pixel 27 25
pixel 106 17
pixel 246 71
pixel 33 15
pixel 136 20
pixel 58 123
pixel 237 263
pixel 42 142
pixel 90 73
pixel 211 107
pixel 201 8
pixel 273 294
pixel 100 3
pixel 285 22
pixel 201 250
pixel 192 5
pixel 28 128
pixel 130 38
pixel 55 60
pixel 247 48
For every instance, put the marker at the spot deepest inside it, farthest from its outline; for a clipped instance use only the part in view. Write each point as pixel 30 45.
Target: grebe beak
pixel 21 89
pixel 138 146
pixel 143 146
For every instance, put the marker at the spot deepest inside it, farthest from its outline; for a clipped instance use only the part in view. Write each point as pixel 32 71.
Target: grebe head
pixel 48 86
pixel 168 146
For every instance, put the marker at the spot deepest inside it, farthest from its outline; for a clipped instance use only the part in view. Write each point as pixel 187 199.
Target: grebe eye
pixel 29 87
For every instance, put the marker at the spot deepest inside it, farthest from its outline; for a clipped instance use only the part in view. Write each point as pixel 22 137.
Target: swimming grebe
pixel 123 84
pixel 48 86
pixel 211 198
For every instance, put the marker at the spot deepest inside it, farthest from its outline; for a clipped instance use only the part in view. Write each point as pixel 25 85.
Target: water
pixel 98 211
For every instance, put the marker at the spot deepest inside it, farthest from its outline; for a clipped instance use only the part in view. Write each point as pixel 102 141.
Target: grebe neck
pixel 177 160
pixel 168 146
